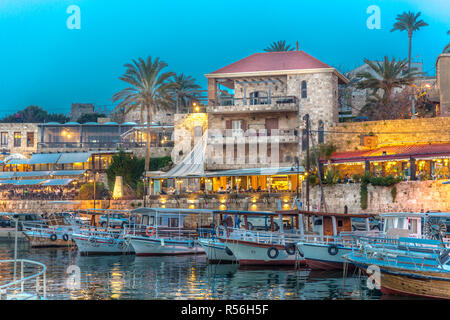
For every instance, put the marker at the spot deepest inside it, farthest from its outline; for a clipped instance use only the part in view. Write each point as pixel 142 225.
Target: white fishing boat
pixel 261 238
pixel 329 238
pixel 53 231
pixel 216 251
pixel 104 239
pixel 332 238
pixel 162 231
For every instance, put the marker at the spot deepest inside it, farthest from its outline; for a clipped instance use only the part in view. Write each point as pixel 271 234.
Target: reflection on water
pixel 182 277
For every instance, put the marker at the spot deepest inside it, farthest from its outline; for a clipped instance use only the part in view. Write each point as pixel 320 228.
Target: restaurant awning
pixel 57 182
pixel 67 172
pixel 29 182
pixel 8 181
pixel 17 161
pixel 43 158
pixel 74 157
pixel 6 175
pixel 257 172
pixel 26 174
pixel 390 153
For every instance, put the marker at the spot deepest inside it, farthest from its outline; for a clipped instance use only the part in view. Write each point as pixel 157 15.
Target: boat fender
pixel 290 248
pixel 53 237
pixel 150 231
pixel 228 251
pixel 65 237
pixel 272 252
pixel 333 250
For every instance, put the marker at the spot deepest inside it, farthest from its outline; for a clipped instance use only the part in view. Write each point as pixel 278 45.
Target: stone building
pixel 19 138
pixel 263 98
pixel 443 83
pixel 79 109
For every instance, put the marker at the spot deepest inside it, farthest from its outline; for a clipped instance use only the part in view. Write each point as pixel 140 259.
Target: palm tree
pixel 279 46
pixel 408 21
pixel 447 47
pixel 149 90
pixel 386 75
pixel 184 91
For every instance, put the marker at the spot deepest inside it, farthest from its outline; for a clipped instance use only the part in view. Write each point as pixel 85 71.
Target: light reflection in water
pixel 182 277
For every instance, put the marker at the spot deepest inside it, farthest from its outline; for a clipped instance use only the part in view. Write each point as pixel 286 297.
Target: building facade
pixel 21 138
pixel 256 108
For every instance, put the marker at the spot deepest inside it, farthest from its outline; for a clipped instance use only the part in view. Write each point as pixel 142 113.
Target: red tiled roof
pixel 273 61
pixel 392 152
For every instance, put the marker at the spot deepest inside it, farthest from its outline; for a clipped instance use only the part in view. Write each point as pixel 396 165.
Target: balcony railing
pixel 103 145
pixel 273 103
pixel 281 135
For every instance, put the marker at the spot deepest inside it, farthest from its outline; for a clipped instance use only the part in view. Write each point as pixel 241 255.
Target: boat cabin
pixel 165 217
pixel 258 220
pixel 415 225
pixel 326 224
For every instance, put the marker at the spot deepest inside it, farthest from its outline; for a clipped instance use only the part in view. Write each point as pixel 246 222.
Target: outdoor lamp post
pixel 95 182
pixel 297 164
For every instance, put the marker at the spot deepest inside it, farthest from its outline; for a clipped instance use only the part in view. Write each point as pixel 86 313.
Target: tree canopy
pixel 90 117
pixel 35 114
pixel 279 46
pixel 129 168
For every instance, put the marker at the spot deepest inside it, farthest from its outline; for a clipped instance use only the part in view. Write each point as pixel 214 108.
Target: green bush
pixel 129 168
pixel 331 177
pixel 87 191
pixel 158 163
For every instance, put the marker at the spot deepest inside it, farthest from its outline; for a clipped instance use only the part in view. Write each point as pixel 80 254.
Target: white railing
pixel 266 237
pixel 174 233
pixel 17 286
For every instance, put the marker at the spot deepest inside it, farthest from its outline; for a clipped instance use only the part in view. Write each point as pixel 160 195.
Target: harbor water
pixel 71 276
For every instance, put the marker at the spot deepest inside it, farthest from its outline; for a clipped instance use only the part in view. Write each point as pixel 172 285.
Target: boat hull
pixel 99 245
pixel 44 240
pixel 216 251
pixel 250 253
pixel 162 247
pixel 399 281
pixel 318 257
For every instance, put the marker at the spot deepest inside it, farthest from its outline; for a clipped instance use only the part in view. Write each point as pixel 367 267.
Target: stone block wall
pixel 412 196
pixel 346 136
pixel 184 137
pixel 23 128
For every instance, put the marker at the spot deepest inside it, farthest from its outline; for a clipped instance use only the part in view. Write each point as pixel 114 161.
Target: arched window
pixel 304 90
pixel 321 132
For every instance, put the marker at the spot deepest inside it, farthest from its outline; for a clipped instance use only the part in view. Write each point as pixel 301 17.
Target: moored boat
pixel 105 239
pixel 402 269
pixel 162 231
pixel 265 238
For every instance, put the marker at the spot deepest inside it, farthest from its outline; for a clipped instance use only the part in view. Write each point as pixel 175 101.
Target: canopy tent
pixel 15 156
pixel 74 157
pixel 6 175
pixel 29 182
pixel 57 182
pixel 22 174
pixel 16 161
pixel 43 158
pixel 256 172
pixel 67 172
pixel 8 182
pixel 192 165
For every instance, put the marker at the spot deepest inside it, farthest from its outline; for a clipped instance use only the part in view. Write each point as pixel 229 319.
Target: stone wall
pixel 24 128
pixel 415 196
pixel 183 134
pixel 443 77
pixel 347 136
